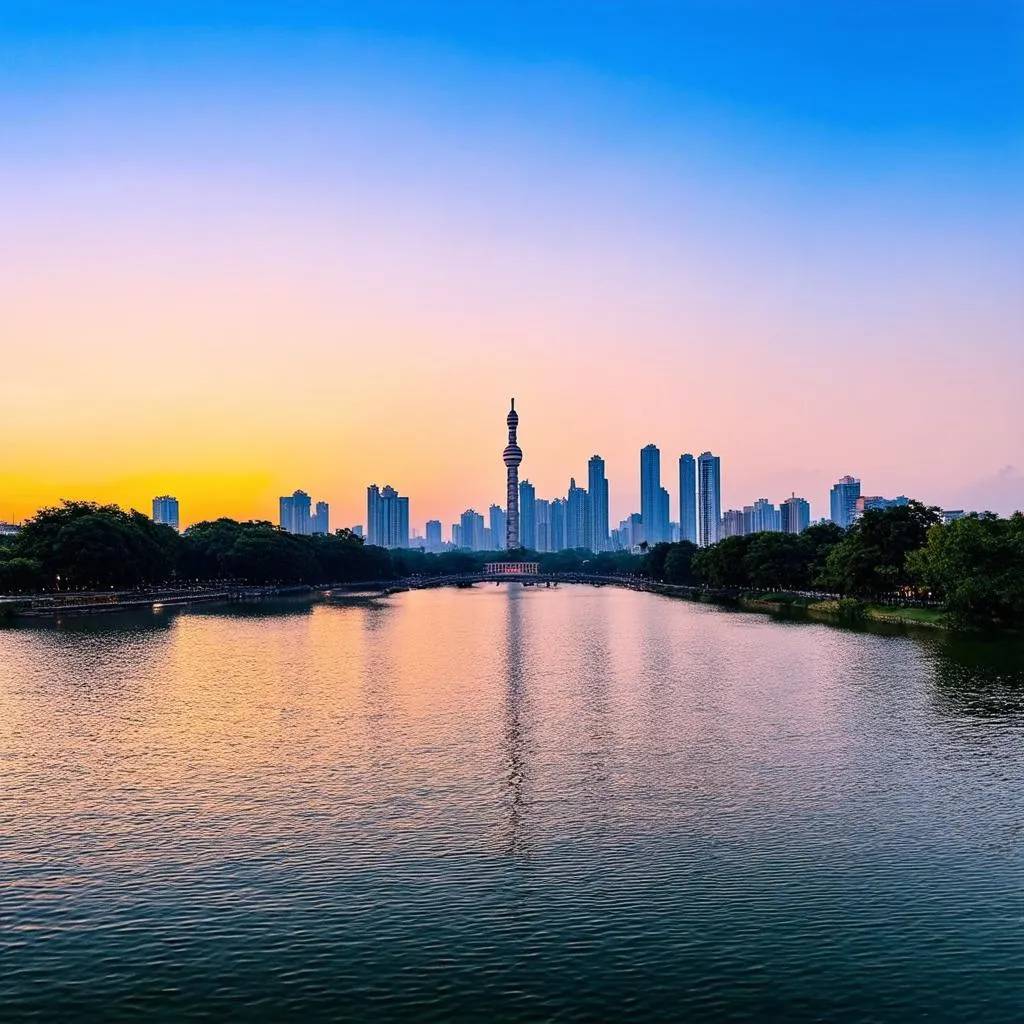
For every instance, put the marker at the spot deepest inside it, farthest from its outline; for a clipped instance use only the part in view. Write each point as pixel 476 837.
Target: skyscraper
pixel 597 488
pixel 294 513
pixel 558 524
pixel 472 530
pixel 374 526
pixel 843 500
pixel 387 517
pixel 664 524
pixel 764 517
pixel 634 529
pixel 796 514
pixel 434 543
pixel 687 498
pixel 542 525
pixel 527 516
pixel 322 518
pixel 499 526
pixel 576 517
pixel 709 498
pixel 650 493
pixel 402 535
pixel 512 457
pixel 733 523
pixel 165 510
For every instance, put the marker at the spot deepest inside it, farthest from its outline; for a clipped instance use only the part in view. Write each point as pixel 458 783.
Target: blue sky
pixel 784 202
pixel 944 71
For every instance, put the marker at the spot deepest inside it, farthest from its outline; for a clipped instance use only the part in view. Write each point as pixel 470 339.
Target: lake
pixel 508 803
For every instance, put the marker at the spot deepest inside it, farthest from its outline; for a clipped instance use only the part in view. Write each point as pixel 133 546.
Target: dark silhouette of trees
pixel 871 559
pixel 975 566
pixel 87 545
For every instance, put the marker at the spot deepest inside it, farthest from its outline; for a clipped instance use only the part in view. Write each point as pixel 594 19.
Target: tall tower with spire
pixel 512 456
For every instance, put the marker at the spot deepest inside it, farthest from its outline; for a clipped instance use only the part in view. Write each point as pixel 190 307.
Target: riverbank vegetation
pixel 900 563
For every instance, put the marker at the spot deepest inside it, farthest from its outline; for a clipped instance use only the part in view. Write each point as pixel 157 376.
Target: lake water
pixel 508 803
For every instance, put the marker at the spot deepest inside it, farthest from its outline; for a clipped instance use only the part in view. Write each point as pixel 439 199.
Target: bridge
pixel 527 578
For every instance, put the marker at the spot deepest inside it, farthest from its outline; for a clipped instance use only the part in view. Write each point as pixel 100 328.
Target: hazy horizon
pixel 249 251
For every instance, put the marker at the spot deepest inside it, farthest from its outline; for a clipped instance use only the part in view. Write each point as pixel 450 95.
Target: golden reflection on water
pixel 457 800
pixel 525 714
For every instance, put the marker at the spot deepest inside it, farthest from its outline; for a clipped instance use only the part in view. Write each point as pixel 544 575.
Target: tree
pixel 654 563
pixel 679 563
pixel 818 541
pixel 90 545
pixel 723 564
pixel 776 561
pixel 976 566
pixel 20 576
pixel 870 560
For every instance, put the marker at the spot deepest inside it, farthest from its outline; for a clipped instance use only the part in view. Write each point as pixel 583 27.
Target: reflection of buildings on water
pixel 515 746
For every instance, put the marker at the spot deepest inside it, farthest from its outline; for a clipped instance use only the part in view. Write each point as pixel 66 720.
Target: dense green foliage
pixel 760 561
pixel 81 544
pixel 871 559
pixel 975 566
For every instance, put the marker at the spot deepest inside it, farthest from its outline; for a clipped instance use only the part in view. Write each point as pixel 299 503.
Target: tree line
pixel 84 546
pixel 973 566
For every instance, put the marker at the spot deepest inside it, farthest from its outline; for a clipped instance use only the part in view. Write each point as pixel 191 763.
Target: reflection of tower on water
pixel 515 697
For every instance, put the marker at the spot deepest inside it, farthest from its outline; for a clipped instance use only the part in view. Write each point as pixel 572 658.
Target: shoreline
pixel 780 605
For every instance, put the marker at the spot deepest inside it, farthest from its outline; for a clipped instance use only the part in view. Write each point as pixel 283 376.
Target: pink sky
pixel 230 297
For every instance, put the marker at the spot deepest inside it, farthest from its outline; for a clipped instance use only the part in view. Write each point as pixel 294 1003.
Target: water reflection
pixel 978 676
pixel 582 804
pixel 515 746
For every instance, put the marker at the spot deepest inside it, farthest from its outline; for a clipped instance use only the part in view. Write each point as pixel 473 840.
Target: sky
pixel 249 248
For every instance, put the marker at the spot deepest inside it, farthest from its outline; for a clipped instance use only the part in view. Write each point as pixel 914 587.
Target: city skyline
pixel 843 504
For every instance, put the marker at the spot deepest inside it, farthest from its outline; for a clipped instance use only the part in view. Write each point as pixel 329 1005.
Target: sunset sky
pixel 246 248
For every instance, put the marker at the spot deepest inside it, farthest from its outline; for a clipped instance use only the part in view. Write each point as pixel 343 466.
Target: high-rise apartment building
pixel 471 530
pixel 387 517
pixel 664 523
pixel 733 523
pixel 650 494
pixel 294 513
pixel 577 517
pixel 687 498
pixel 634 530
pixel 558 524
pixel 466 531
pixel 498 522
pixel 527 516
pixel 165 511
pixel 433 536
pixel 709 498
pixel 843 500
pixel 796 514
pixel 321 518
pixel 542 524
pixel 764 517
pixel 597 489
